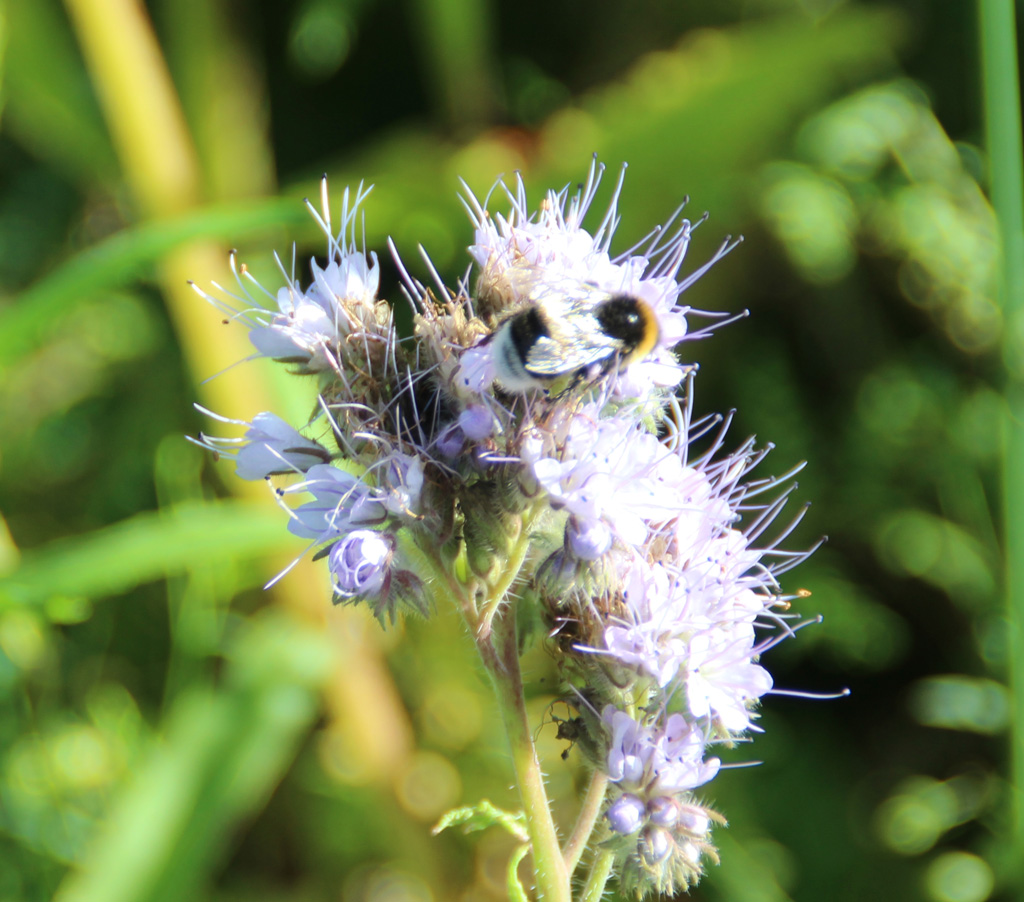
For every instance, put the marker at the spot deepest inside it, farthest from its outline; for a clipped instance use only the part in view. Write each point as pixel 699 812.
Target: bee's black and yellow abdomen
pixel 515 342
pixel 524 330
pixel 630 321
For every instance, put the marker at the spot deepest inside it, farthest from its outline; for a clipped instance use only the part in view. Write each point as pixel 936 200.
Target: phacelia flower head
pixel 531 442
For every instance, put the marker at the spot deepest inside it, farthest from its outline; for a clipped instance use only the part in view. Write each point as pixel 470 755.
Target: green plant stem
pixel 446 586
pixel 1004 144
pixel 600 871
pixel 577 842
pixel 498 593
pixel 500 655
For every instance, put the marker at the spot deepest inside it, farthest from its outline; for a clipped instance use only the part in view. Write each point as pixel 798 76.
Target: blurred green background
pixel 171 731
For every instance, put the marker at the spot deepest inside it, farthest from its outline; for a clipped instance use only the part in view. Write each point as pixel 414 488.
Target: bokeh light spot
pixel 22 639
pixel 320 39
pixel 813 217
pixel 451 715
pixel 81 758
pixel 922 808
pixel 859 631
pixel 912 541
pixel 893 404
pixel 959 702
pixel 65 609
pixel 854 137
pixel 977 425
pixel 920 544
pixel 392 885
pixel 427 785
pixel 959 877
pixel 912 821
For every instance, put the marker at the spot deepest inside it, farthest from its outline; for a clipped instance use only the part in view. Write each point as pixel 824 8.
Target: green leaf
pixel 472 818
pixel 690 118
pixel 224 752
pixel 144 548
pixel 515 890
pixel 125 256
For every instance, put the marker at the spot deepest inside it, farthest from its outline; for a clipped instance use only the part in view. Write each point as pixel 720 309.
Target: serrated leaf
pixel 472 818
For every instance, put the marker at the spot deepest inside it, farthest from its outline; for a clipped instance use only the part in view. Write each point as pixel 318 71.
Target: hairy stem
pixel 600 871
pixel 500 655
pixel 577 842
pixel 498 593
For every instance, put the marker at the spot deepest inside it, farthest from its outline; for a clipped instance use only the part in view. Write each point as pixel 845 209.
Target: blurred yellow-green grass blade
pixel 5 33
pixel 159 163
pixel 140 105
pixel 123 257
pixel 224 751
pixel 222 89
pixel 144 548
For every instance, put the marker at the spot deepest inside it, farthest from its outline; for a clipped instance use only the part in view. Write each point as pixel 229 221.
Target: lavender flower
pixel 269 447
pixel 340 502
pixel 580 493
pixel 360 563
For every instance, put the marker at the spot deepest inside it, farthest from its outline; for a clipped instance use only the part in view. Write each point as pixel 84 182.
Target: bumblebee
pixel 572 329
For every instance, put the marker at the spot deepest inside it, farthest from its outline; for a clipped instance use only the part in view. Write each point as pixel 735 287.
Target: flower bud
pixel 477 422
pixel 694 822
pixel 690 852
pixel 626 814
pixel 450 441
pixel 655 844
pixel 360 562
pixel 663 811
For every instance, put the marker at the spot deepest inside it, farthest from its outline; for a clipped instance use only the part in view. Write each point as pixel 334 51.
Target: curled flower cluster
pixel 431 468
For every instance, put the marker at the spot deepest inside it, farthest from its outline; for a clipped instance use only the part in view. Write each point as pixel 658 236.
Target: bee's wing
pixel 575 339
pixel 548 357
